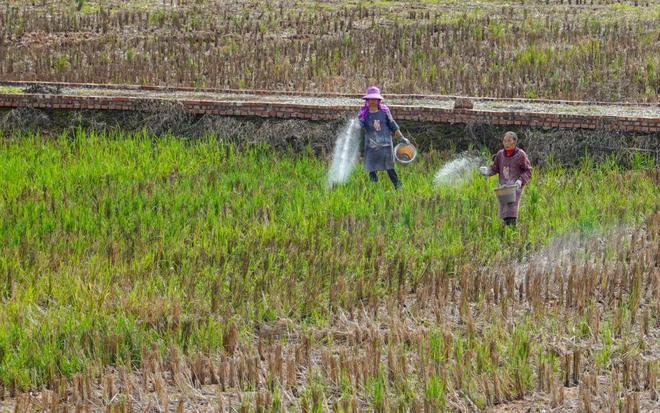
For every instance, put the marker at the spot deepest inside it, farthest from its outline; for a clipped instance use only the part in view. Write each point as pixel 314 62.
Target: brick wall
pixel 319 112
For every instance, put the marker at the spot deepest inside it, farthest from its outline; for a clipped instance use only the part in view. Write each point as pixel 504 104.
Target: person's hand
pixel 483 170
pixel 519 183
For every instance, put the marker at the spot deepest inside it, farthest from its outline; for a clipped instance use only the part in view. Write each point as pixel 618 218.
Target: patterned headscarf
pixel 362 115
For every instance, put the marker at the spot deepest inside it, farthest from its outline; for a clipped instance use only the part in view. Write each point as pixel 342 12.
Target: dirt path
pixel 617 109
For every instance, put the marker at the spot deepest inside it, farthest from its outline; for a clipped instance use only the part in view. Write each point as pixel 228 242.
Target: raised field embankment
pixel 628 117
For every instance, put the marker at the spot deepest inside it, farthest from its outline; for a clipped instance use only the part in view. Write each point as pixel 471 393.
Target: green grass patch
pixel 11 89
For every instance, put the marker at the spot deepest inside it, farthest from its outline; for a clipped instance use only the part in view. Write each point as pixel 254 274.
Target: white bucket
pixel 506 194
pixel 405 153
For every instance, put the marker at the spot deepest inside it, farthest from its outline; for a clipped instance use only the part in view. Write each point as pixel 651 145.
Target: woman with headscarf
pixel 513 167
pixel 379 125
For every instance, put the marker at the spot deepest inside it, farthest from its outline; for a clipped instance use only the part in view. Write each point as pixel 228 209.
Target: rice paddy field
pixel 158 273
pixel 216 270
pixel 560 49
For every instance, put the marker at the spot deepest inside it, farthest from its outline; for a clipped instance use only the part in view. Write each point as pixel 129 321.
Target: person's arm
pixel 492 169
pixel 526 167
pixel 391 123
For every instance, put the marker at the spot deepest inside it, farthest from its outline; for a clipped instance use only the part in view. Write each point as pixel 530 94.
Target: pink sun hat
pixel 373 93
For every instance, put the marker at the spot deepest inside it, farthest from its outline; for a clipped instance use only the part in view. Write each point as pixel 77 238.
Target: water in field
pixel 457 170
pixel 345 153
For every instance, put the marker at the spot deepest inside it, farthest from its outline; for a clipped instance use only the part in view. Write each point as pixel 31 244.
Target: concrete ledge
pixel 308 94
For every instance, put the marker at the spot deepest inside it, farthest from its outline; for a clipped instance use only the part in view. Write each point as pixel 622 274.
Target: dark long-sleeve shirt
pixel 378 128
pixel 510 169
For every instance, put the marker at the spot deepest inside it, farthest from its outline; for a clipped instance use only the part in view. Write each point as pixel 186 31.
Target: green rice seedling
pixel 434 393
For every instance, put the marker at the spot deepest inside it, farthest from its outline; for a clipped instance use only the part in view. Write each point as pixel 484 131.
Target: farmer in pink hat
pixel 379 125
pixel 513 167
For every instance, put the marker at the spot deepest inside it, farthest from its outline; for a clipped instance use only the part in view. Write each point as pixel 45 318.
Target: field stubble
pixel 602 50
